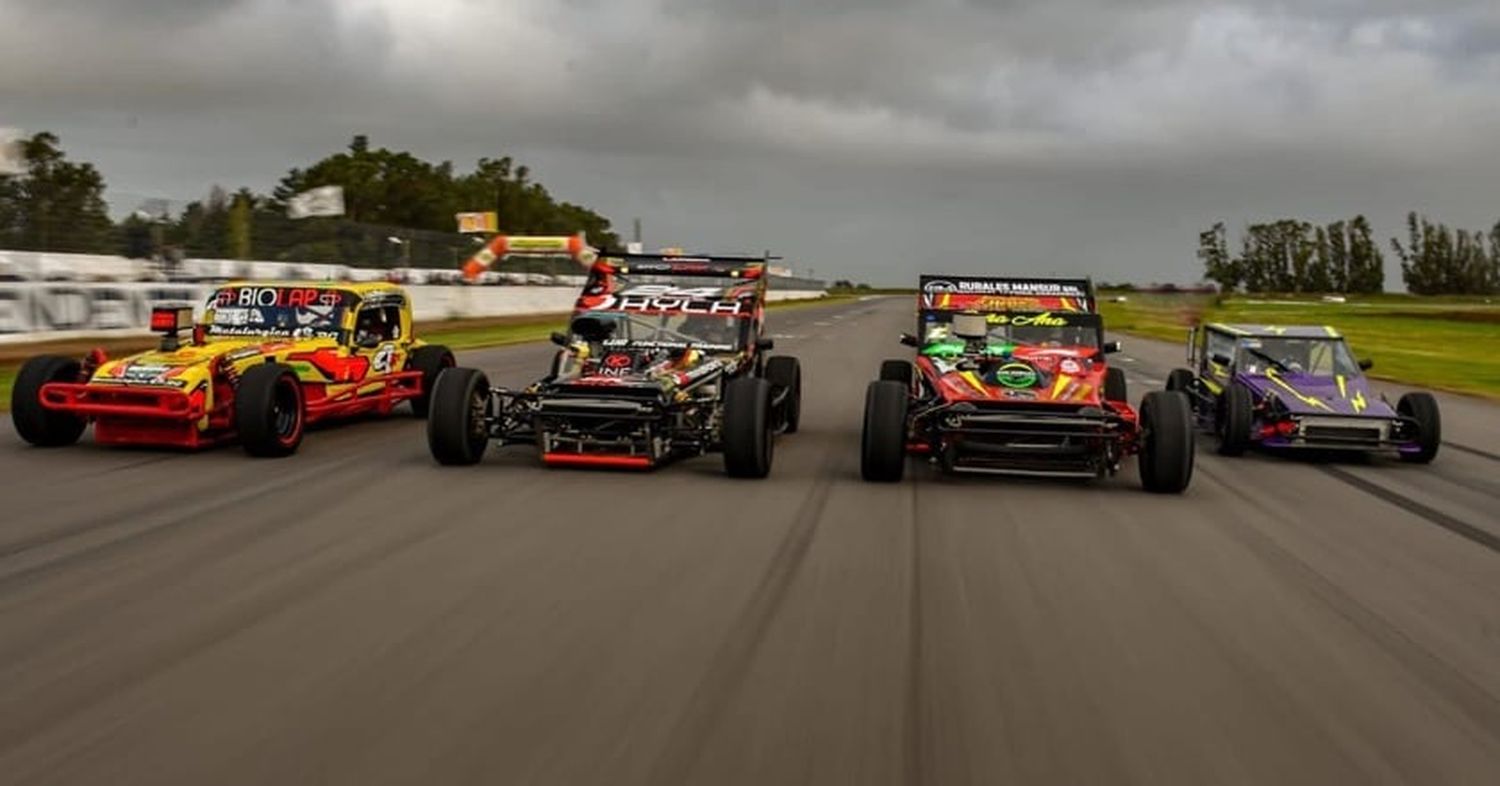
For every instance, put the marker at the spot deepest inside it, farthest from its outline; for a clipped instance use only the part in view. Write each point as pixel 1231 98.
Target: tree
pixel 1218 265
pixel 241 212
pixel 1366 265
pixel 57 205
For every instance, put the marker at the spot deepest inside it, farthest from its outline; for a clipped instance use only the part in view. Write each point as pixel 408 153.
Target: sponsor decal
pixel 1016 375
pixel 686 305
pixel 1005 287
pixel 1070 366
pixel 1016 394
pixel 284 297
pixel 153 374
pixel 618 360
pixel 1045 319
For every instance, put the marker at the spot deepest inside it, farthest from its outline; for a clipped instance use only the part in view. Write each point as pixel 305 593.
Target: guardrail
pixel 46 311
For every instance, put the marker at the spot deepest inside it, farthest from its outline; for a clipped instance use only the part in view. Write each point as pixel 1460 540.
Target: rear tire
pixel 1423 408
pixel 785 373
pixel 430 360
pixel 268 411
pixel 896 371
pixel 1180 379
pixel 882 457
pixel 457 431
pixel 1166 457
pixel 34 423
pixel 1115 388
pixel 747 428
pixel 1235 420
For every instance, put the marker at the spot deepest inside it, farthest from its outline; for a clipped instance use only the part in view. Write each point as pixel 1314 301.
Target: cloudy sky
pixel 869 139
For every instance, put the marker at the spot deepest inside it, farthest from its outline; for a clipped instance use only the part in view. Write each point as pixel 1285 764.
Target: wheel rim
pixel 286 412
pixel 476 418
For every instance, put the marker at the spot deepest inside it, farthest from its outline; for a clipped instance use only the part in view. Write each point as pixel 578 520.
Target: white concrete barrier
pixel 46 311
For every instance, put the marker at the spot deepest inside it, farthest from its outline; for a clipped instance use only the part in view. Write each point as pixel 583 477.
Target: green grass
pixel 461 336
pixel 1444 343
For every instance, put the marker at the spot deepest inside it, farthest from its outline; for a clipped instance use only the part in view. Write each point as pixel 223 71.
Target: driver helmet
pixel 713 330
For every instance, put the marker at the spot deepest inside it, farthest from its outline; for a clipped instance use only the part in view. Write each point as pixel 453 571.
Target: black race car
pixel 665 358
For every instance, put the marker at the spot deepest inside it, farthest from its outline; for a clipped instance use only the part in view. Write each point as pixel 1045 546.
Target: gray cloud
pixel 870 137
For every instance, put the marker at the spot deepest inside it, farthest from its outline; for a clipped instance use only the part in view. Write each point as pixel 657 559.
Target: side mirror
pixel 909 340
pixel 764 344
pixel 1366 364
pixel 1111 347
pixel 560 339
pixel 1220 358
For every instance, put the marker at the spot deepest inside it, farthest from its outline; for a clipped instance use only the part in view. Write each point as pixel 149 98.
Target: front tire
pixel 1180 379
pixel 747 428
pixel 1115 388
pixel 268 411
pixel 785 373
pixel 1235 420
pixel 896 371
pixel 882 457
pixel 430 360
pixel 1423 408
pixel 457 425
pixel 35 423
pixel 1166 457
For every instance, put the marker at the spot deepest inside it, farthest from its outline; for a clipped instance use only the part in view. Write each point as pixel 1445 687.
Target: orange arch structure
pixel 503 246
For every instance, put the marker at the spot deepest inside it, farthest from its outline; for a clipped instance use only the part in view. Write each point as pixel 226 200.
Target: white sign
pixel 635 248
pixel 12 154
pixel 322 201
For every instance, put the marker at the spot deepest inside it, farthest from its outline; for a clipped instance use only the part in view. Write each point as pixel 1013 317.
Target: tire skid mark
pixel 199 561
pixel 734 657
pixel 914 721
pixel 1484 454
pixel 1442 677
pixel 1453 524
pixel 166 526
pixel 98 688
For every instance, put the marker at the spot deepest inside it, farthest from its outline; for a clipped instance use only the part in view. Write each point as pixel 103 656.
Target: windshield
pixel 279 312
pixel 1023 330
pixel 670 330
pixel 1324 357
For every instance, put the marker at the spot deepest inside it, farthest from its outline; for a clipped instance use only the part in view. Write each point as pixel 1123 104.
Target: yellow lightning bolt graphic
pixel 1304 398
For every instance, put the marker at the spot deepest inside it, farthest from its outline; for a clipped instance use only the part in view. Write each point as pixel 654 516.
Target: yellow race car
pixel 266 360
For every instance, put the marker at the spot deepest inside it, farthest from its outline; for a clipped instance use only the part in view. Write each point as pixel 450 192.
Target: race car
pixel 267 360
pixel 1298 387
pixel 1011 377
pixel 665 357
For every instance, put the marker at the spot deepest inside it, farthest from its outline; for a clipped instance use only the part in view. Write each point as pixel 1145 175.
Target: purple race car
pixel 1298 387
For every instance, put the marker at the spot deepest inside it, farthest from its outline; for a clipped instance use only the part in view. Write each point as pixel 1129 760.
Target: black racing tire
pixel 1115 388
pixel 1423 408
pixel 34 423
pixel 1235 418
pixel 747 429
pixel 1181 379
pixel 785 373
pixel 896 371
pixel 269 412
pixel 457 425
pixel 882 447
pixel 1167 442
pixel 430 360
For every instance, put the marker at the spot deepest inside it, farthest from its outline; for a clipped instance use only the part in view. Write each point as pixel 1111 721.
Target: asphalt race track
pixel 358 615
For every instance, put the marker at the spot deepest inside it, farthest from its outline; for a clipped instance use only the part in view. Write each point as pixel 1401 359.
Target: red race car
pixel 1011 377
